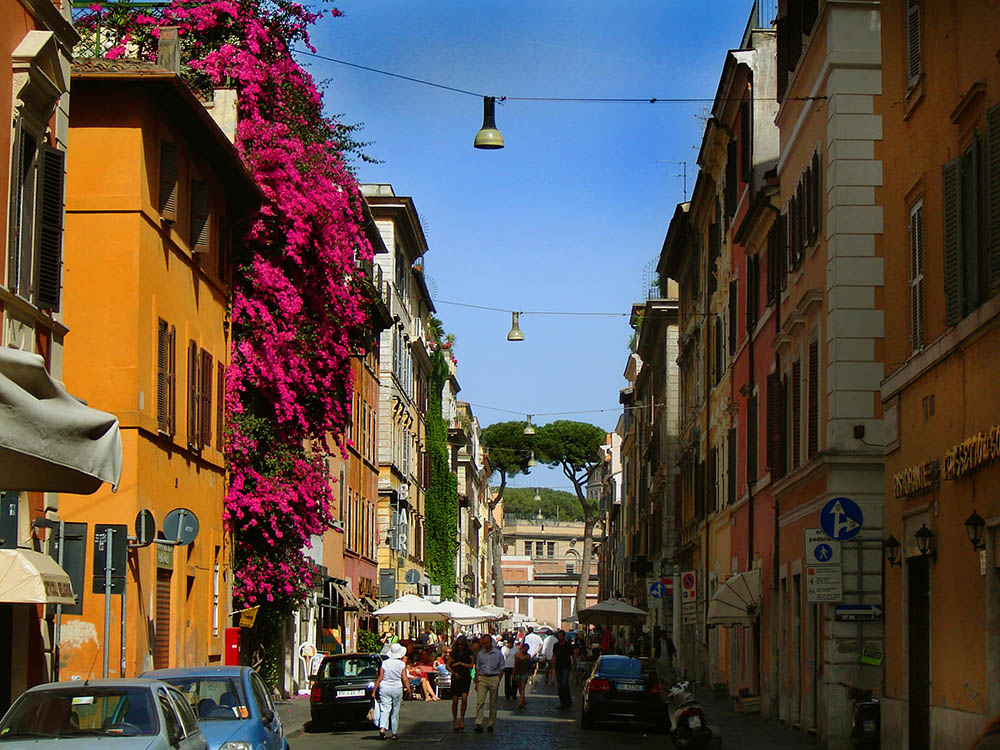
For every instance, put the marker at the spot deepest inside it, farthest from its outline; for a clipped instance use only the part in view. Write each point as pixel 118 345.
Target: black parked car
pixel 343 687
pixel 624 689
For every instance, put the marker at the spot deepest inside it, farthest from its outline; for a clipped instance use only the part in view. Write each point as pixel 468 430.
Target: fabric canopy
pixel 28 577
pixel 612 611
pixel 350 600
pixel 737 602
pixel 463 613
pixel 410 607
pixel 49 440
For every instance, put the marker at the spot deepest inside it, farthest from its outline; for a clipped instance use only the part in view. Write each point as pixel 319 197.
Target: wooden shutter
pixel 916 277
pixel 22 203
pixel 794 14
pixel 162 376
pixel 220 410
pixel 699 490
pixel 172 381
pixel 782 45
pixel 772 263
pixel 205 428
pixel 952 228
pixel 732 154
pixel 817 196
pixel 49 226
pixel 775 426
pixel 201 209
pixel 810 10
pixel 161 634
pixel 731 465
pixel 751 439
pixel 812 438
pixel 796 413
pixel 912 41
pixel 193 397
pixel 734 293
pixel 746 147
pixel 783 249
pixel 993 194
pixel 167 201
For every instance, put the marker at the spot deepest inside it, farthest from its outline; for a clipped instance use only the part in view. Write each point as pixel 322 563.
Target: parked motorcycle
pixel 689 729
pixel 866 719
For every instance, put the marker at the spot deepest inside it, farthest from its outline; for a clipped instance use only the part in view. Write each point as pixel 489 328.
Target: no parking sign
pixel 689 590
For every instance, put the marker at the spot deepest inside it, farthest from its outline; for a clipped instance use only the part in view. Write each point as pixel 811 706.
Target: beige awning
pixel 737 602
pixel 350 600
pixel 49 440
pixel 28 577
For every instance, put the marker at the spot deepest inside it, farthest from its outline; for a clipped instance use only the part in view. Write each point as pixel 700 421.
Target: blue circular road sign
pixel 841 519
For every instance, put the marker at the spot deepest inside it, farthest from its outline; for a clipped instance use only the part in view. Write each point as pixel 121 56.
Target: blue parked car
pixel 233 706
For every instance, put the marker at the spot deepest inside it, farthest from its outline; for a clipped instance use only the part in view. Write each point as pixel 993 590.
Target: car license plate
pixel 635 688
pixel 350 693
pixel 694 722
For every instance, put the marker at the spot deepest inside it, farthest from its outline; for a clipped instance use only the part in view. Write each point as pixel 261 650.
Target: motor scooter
pixel 866 719
pixel 688 727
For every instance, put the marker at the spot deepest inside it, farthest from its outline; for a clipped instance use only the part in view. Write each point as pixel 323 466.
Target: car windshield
pixel 76 712
pixel 350 666
pixel 619 668
pixel 214 698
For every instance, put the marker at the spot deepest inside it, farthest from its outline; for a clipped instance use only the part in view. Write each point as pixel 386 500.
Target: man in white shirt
pixel 547 644
pixel 534 642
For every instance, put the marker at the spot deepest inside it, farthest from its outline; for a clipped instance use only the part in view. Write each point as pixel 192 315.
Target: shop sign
pixel 916 479
pixel 973 453
pixel 824 583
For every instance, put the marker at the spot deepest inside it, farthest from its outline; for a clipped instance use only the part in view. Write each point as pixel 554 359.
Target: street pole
pixel 121 672
pixel 57 631
pixel 109 536
pixel 677 615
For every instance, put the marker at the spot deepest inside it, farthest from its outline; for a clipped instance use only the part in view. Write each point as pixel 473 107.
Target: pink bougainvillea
pixel 297 309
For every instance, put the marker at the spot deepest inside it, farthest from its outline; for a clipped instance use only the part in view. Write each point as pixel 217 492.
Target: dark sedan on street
pixel 342 690
pixel 624 689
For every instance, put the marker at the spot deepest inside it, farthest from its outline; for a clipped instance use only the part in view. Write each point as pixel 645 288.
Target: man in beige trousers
pixel 489 667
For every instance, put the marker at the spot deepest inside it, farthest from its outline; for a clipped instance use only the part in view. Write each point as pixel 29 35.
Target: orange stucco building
pixel 942 219
pixel 153 188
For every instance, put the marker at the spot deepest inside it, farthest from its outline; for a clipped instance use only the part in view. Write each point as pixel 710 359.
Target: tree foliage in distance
pixel 520 502
pixel 575 447
pixel 441 499
pixel 509 450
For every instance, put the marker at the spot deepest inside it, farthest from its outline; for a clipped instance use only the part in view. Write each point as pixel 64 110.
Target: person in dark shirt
pixel 564 658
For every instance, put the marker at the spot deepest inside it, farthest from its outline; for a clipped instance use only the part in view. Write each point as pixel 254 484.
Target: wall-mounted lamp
pixel 891 547
pixel 515 333
pixel 488 136
pixel 975 526
pixel 529 429
pixel 925 542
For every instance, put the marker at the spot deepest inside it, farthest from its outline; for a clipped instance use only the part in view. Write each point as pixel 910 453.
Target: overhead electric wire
pixel 563 99
pixel 563 413
pixel 534 312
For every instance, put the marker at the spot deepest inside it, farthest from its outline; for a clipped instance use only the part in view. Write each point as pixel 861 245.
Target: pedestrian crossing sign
pixel 821 549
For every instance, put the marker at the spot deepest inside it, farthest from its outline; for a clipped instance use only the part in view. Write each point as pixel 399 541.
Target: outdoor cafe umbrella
pixel 463 614
pixel 410 607
pixel 612 611
pixel 49 440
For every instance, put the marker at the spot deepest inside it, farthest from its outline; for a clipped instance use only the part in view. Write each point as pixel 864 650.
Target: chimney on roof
pixel 168 49
pixel 223 109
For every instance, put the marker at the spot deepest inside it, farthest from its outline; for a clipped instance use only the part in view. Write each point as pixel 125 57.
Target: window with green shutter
pixel 912 41
pixel 167 196
pixel 916 232
pixel 993 195
pixel 968 261
pixel 201 209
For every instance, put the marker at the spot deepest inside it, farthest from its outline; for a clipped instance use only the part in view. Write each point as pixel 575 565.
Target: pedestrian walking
pixel 546 657
pixel 563 660
pixel 522 671
pixel 389 688
pixel 460 663
pixel 534 642
pixel 509 652
pixel 489 665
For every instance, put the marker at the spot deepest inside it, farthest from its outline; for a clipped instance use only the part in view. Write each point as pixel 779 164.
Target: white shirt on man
pixel 548 645
pixel 534 642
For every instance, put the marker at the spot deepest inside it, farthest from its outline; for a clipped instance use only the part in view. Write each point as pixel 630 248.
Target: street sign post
pixel 841 519
pixel 660 588
pixel 821 549
pixel 824 583
pixel 689 590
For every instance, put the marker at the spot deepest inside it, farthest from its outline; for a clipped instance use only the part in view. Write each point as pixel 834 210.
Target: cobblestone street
pixel 542 725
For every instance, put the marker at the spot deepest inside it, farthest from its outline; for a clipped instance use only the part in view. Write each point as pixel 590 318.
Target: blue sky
pixel 570 213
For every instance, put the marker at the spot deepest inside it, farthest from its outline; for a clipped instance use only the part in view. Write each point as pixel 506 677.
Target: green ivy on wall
pixel 441 500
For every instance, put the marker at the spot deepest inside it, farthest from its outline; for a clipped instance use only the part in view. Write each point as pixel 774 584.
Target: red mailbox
pixel 232 646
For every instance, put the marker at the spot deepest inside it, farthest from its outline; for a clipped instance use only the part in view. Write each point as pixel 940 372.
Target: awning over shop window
pixel 49 440
pixel 351 601
pixel 28 577
pixel 737 602
pixel 370 604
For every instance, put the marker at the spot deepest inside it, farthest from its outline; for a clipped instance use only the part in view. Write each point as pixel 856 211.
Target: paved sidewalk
pixel 751 731
pixel 294 713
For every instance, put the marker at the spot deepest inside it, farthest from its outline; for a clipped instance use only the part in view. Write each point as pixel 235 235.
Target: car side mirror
pixel 266 715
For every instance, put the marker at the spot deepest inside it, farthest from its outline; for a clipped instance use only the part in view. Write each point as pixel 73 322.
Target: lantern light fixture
pixel 515 333
pixel 538 495
pixel 488 136
pixel 529 429
pixel 891 547
pixel 531 461
pixel 975 526
pixel 925 542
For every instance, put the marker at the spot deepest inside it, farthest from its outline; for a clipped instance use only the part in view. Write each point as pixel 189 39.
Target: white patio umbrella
pixel 463 614
pixel 498 612
pixel 612 611
pixel 410 607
